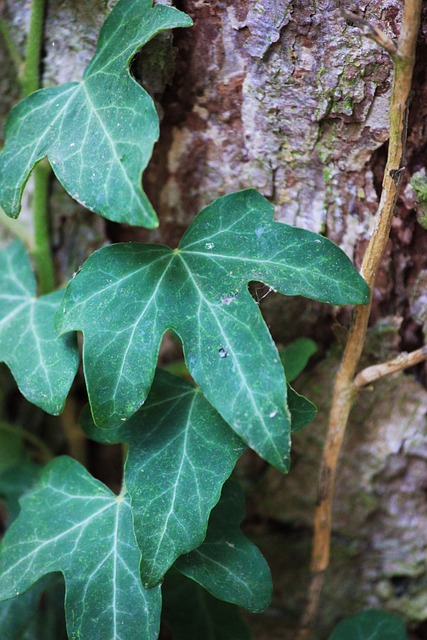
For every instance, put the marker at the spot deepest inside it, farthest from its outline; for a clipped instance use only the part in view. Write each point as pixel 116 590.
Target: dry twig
pixel 345 388
pixel 371 31
pixel 377 371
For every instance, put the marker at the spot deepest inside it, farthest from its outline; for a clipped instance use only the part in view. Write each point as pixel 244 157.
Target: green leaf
pixel 37 614
pixel 227 564
pixel 42 364
pixel 302 410
pixel 296 355
pixel 17 614
pixel 49 622
pixel 98 134
pixel 127 295
pixel 370 625
pixel 180 454
pixel 192 613
pixel 72 523
pixel 14 482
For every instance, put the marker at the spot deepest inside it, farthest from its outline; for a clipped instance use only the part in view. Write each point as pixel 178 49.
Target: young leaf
pixel 178 442
pixel 370 625
pixel 127 295
pixel 295 356
pixel 72 523
pixel 42 364
pixel 227 564
pixel 192 613
pixel 98 134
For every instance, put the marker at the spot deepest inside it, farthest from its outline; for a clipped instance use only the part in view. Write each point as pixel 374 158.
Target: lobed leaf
pixel 127 295
pixel 180 454
pixel 42 364
pixel 227 564
pixel 99 133
pixel 72 523
pixel 192 613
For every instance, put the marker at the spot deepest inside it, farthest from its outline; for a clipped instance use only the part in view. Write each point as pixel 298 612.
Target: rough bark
pixel 378 551
pixel 286 97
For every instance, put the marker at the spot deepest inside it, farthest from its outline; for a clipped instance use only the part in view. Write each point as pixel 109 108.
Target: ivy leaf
pixel 192 613
pixel 227 564
pixel 42 364
pixel 98 134
pixel 14 482
pixel 296 355
pixel 301 409
pixel 177 441
pixel 49 621
pixel 127 295
pixel 72 523
pixel 16 614
pixel 370 625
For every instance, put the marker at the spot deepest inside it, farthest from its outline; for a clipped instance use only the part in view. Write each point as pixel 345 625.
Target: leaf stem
pixel 30 82
pixel 345 389
pixel 30 76
pixel 41 249
pixel 45 451
pixel 17 229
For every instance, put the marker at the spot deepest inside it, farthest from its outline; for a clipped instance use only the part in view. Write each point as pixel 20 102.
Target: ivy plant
pixel 174 527
pixel 372 624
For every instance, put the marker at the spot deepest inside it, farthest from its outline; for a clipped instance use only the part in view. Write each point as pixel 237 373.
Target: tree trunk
pixel 286 97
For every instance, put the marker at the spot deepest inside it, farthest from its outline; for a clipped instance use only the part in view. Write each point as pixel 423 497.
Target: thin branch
pixel 371 31
pixel 77 441
pixel 377 371
pixel 345 389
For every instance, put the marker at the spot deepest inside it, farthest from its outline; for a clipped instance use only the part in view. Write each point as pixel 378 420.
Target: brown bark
pixel 286 97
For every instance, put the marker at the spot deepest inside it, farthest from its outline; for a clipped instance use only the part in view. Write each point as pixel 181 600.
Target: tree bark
pixel 286 97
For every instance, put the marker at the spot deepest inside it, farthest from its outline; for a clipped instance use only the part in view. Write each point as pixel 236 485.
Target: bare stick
pixel 345 389
pixel 377 371
pixel 371 31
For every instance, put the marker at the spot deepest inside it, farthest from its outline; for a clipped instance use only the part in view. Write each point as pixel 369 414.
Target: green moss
pixel 348 106
pixel 419 184
pixel 327 174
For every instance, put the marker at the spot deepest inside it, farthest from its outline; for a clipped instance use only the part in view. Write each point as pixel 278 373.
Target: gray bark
pixel 286 97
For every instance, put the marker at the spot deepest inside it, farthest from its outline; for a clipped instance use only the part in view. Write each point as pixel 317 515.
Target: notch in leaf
pixel 192 613
pixel 85 532
pixel 98 133
pixel 179 442
pixel 42 364
pixel 228 564
pixel 127 295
